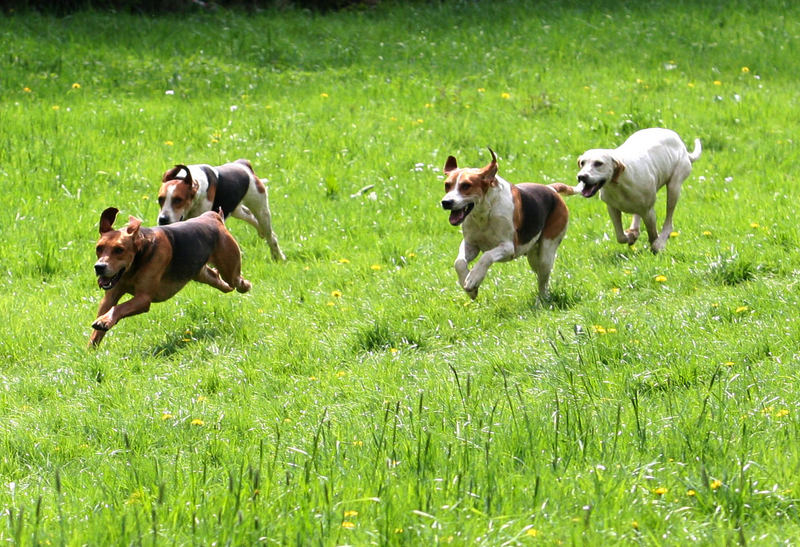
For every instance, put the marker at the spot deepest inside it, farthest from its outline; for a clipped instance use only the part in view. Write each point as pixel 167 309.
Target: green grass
pixel 356 395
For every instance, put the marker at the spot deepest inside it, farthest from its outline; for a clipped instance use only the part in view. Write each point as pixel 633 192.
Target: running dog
pixel 504 221
pixel 629 177
pixel 189 191
pixel 153 264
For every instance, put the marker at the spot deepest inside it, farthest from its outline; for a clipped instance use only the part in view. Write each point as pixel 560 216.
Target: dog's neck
pixel 494 194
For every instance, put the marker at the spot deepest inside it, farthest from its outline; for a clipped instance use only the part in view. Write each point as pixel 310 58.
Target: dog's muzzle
pixel 590 187
pixel 457 216
pixel 105 281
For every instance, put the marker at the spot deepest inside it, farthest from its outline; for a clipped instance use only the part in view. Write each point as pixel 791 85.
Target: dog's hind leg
pixel 673 194
pixel 210 276
pixel 264 217
pixel 541 259
pixel 228 260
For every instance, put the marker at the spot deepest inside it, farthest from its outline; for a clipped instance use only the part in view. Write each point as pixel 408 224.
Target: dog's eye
pixel 99 250
pixel 161 201
pixel 176 201
pixel 598 164
pixel 448 186
pixel 118 250
pixel 465 186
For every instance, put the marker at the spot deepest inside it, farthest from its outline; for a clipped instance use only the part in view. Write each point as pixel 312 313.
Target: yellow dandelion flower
pixel 706 233
pixel 76 85
pixel 690 84
pixel 661 278
pixel 754 224
pixel 145 197
pixel 202 398
pixel 197 421
pixel 340 374
pixel 323 95
pixel 674 234
pixel 715 484
pixel 398 530
pixel 717 82
pixel 344 261
pixel 599 329
pixel 393 350
pixel 56 107
pixel 26 89
pixel 412 255
pixel 635 525
pixel 348 524
pixel 782 413
pixel 330 303
pixel 767 410
pixel 428 105
pixel 532 532
pixel 660 491
pixel 351 513
pixel 375 267
pixel 357 443
pixel 166 416
pixel 168 143
pixel 481 90
pixel 691 493
pixel 614 290
pixel 420 120
pixel 336 294
pixel 741 309
pixel 611 330
pixel 728 363
pixel 287 420
pixel 505 95
pixel 312 378
pixel 745 69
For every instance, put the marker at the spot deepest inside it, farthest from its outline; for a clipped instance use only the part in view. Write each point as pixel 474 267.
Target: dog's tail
pixel 698 149
pixel 561 188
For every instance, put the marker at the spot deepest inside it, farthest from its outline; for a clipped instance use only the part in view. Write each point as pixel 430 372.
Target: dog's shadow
pixel 175 342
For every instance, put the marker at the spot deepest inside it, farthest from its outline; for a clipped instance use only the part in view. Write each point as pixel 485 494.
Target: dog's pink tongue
pixel 456 217
pixel 588 191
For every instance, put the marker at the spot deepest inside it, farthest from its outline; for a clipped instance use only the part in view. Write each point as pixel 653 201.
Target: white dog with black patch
pixel 629 177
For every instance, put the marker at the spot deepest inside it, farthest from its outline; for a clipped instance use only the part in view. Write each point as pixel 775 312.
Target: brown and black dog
pixel 153 264
pixel 502 220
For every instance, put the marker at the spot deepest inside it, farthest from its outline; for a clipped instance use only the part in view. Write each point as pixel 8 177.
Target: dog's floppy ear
pixel 133 225
pixel 619 167
pixel 107 219
pixel 488 173
pixel 172 173
pixel 450 165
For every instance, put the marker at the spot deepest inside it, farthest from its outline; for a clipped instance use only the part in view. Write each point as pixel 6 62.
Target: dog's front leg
pixel 616 220
pixel 110 298
pixel 138 304
pixel 504 251
pixel 466 254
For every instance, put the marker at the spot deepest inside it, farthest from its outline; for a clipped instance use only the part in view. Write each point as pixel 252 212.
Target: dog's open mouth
pixel 589 190
pixel 458 216
pixel 107 283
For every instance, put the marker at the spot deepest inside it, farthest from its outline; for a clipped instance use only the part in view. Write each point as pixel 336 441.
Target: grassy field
pixel 356 395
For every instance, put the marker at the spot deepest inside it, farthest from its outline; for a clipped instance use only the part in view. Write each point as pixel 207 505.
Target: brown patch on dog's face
pixel 175 198
pixel 115 249
pixel 465 187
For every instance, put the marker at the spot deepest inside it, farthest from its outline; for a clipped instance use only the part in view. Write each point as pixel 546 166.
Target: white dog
pixel 628 178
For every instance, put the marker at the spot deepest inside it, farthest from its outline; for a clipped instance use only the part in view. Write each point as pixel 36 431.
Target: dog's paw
pixel 101 324
pixel 632 236
pixel 473 294
pixel 658 245
pixel 244 285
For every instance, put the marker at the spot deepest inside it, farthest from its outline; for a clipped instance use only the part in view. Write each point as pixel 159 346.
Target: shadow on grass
pixel 175 342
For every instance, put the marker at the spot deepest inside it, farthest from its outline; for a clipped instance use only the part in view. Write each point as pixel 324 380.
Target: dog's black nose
pixel 100 268
pixel 583 178
pixel 447 204
pixel 163 220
